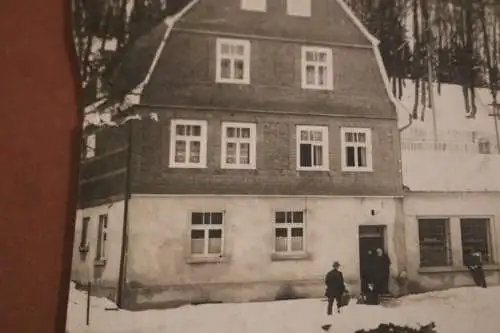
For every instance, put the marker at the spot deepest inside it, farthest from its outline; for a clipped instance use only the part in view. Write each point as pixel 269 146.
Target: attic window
pixel 254 5
pixel 298 7
pixel 484 146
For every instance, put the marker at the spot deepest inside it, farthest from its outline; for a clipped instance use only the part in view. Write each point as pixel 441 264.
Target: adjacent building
pixel 276 151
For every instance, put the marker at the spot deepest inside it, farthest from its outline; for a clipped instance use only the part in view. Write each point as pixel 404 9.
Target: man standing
pixel 335 288
pixel 383 265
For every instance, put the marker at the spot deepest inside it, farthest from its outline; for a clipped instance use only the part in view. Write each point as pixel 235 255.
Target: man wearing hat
pixel 335 287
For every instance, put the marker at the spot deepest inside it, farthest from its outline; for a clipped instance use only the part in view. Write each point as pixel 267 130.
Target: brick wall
pixel 276 158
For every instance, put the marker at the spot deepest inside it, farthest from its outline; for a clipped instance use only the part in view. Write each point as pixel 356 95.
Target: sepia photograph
pixel 287 166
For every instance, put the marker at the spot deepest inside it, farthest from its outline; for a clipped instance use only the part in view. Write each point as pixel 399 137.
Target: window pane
pixel 318 156
pixel 180 129
pixel 322 75
pixel 310 56
pixel 194 151
pixel 196 130
pixel 322 56
pixel 349 137
pixel 180 151
pixel 231 153
pixel 350 159
pixel 214 241
pixel 225 48
pixel 475 237
pixel 238 69
pixel 206 218
pixel 239 50
pixel 245 132
pixel 281 240
pixel 298 217
pixel 279 217
pixel 230 132
pixel 288 217
pixel 225 69
pixel 362 157
pixel 297 239
pixel 304 135
pixel 244 153
pixel 196 218
pixel 433 239
pixel 305 155
pixel 310 74
pixel 317 136
pixel 197 241
pixel 216 218
pixel 362 137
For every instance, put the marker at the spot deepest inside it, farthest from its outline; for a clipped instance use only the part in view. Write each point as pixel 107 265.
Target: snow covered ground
pixel 462 310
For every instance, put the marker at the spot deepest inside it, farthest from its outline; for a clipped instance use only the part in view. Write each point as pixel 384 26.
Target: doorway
pixel 371 237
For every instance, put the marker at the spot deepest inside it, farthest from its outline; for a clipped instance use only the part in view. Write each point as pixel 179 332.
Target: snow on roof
pixel 457 164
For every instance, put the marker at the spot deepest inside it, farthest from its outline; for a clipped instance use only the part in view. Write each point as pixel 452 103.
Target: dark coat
pixel 382 265
pixel 334 282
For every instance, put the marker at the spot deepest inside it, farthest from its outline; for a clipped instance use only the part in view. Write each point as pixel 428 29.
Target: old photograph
pixel 287 166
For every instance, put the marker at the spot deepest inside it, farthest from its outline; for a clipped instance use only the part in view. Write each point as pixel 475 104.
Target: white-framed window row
pixel 357 149
pixel 239 145
pixel 188 143
pixel 289 234
pixel 312 148
pixel 206 236
pixel 317 68
pixel 442 236
pixel 84 241
pixel 254 5
pixel 102 238
pixel 233 61
pixel 298 7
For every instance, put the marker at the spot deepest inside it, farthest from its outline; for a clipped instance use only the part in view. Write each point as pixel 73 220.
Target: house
pixel 453 192
pixel 276 152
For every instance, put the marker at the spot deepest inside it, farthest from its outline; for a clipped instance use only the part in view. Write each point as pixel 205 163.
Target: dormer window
pixel 298 7
pixel 484 146
pixel 317 68
pixel 233 61
pixel 254 5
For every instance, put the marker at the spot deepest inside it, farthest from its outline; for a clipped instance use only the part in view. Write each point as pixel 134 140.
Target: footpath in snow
pixel 461 310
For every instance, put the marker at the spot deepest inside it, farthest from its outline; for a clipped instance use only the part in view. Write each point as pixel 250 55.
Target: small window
pixel 356 149
pixel 84 243
pixel 207 234
pixel 317 68
pixel 188 143
pixel 254 5
pixel 312 148
pixel 102 227
pixel 434 241
pixel 289 231
pixel 233 61
pixel 298 7
pixel 476 236
pixel 484 146
pixel 90 146
pixel 238 145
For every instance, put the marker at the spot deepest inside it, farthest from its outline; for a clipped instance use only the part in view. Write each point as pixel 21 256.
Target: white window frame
pixel 448 239
pixel 245 57
pixel 296 8
pixel 202 139
pixel 329 67
pixel 252 141
pixel 289 227
pixel 254 5
pixel 323 144
pixel 206 228
pixel 90 146
pixel 102 235
pixel 368 145
pixel 84 234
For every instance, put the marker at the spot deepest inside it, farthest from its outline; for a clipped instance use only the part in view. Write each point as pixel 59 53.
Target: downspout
pixel 124 247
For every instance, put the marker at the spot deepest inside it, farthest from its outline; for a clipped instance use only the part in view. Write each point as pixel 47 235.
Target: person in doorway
pixel 382 271
pixel 367 271
pixel 335 288
pixel 475 266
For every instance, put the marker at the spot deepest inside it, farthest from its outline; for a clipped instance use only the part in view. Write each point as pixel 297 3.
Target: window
pixel 238 145
pixel 207 234
pixel 476 236
pixel 100 256
pixel 84 245
pixel 317 68
pixel 289 232
pixel 312 148
pixel 434 242
pixel 233 61
pixel 255 5
pixel 188 144
pixel 356 149
pixel 298 7
pixel 90 145
pixel 484 146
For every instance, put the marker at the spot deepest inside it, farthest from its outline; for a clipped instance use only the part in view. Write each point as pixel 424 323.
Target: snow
pixel 457 164
pixel 460 310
